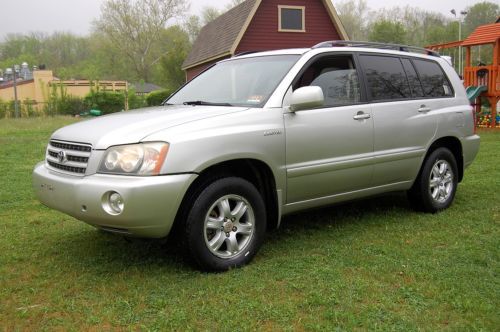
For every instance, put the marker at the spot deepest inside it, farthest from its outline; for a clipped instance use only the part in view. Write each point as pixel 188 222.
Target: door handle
pixel 424 109
pixel 362 116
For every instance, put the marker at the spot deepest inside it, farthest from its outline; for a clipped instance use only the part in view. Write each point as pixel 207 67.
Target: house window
pixel 291 18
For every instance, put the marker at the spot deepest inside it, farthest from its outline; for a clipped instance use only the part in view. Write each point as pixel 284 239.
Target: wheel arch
pixel 255 171
pixel 453 144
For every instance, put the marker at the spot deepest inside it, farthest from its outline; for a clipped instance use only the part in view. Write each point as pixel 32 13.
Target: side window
pixel 434 82
pixel 336 76
pixel 415 86
pixel 386 77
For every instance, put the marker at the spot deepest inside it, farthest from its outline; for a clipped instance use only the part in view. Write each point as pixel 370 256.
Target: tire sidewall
pixel 429 203
pixel 195 223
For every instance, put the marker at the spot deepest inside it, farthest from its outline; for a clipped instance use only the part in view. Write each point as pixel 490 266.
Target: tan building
pixel 38 88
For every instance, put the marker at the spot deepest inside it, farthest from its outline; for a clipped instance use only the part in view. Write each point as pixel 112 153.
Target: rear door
pixel 403 118
pixel 329 149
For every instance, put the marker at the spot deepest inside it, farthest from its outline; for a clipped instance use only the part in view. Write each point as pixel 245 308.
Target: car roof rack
pixel 385 46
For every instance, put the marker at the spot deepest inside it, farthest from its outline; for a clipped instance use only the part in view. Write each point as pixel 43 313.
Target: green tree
pixel 193 26
pixel 134 28
pixel 194 23
pixel 15 45
pixel 56 51
pixel 172 76
pixel 442 33
pixel 107 61
pixel 354 15
pixel 480 14
pixel 209 13
pixel 388 32
pixel 63 49
pixel 416 22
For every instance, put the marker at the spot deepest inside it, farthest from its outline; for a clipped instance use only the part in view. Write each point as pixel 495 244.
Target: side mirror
pixel 307 97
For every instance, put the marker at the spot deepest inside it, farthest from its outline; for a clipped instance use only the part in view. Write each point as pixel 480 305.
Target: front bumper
pixel 150 203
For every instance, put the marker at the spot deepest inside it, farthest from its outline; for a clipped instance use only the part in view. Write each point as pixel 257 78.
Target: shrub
pixel 4 109
pixel 71 106
pixel 155 98
pixel 135 101
pixel 28 108
pixel 55 96
pixel 105 101
pixel 58 102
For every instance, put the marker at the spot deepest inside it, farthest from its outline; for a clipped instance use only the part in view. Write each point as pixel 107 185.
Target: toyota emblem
pixel 61 156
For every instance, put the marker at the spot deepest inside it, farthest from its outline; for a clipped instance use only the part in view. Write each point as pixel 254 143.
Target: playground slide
pixel 474 91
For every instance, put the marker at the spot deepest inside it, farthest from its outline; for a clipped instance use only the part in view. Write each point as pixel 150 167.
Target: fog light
pixel 112 203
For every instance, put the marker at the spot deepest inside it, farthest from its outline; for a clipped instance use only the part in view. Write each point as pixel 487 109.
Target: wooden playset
pixel 481 81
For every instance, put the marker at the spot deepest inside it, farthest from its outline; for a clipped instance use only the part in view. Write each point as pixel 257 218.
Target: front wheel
pixel 226 224
pixel 436 185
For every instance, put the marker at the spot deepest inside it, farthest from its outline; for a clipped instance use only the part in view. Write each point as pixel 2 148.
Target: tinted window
pixel 336 76
pixel 291 19
pixel 434 83
pixel 415 86
pixel 386 77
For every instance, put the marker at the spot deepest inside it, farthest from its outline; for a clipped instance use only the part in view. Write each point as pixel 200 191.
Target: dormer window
pixel 291 19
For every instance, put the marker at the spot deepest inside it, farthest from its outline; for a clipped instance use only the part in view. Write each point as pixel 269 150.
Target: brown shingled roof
pixel 220 37
pixel 485 34
pixel 217 37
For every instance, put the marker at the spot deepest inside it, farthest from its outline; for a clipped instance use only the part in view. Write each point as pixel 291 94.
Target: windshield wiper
pixel 205 103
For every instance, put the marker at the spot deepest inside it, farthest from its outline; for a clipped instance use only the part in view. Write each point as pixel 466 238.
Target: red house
pixel 262 25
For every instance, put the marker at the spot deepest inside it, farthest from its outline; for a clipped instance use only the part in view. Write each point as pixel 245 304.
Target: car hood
pixel 132 126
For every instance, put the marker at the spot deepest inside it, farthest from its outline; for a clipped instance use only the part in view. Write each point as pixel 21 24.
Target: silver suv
pixel 262 135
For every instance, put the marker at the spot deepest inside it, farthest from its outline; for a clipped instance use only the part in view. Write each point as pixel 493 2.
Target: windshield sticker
pixel 255 99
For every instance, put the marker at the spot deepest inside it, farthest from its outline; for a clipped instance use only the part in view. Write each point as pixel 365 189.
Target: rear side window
pixel 434 82
pixel 386 77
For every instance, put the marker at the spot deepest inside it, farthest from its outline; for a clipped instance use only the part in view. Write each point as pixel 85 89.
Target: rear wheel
pixel 435 187
pixel 226 224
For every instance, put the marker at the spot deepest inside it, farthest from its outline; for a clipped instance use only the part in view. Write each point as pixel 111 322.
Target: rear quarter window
pixel 434 81
pixel 416 87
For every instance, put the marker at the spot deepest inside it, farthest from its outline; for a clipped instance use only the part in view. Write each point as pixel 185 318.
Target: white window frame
pixel 303 10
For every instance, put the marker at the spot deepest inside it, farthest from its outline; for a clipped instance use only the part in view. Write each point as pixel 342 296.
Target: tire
pixel 226 224
pixel 436 185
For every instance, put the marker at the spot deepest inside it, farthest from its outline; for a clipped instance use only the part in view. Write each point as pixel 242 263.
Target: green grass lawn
pixel 369 265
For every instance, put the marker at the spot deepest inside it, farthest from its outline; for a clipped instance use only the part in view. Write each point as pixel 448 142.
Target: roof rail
pixel 244 53
pixel 385 46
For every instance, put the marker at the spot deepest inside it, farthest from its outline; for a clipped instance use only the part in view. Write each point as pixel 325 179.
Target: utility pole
pixel 459 19
pixel 16 106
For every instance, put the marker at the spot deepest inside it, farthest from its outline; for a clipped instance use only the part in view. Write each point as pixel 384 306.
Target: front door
pixel 329 149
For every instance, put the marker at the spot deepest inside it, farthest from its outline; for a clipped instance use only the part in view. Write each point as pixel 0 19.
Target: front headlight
pixel 134 159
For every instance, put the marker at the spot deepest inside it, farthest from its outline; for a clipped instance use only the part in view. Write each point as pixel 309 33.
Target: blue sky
pixel 23 16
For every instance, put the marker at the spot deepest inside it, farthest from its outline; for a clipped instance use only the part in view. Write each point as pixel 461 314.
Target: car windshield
pixel 240 82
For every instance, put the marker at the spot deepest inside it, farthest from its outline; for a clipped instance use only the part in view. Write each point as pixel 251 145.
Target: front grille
pixel 68 157
pixel 71 146
pixel 71 169
pixel 71 158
